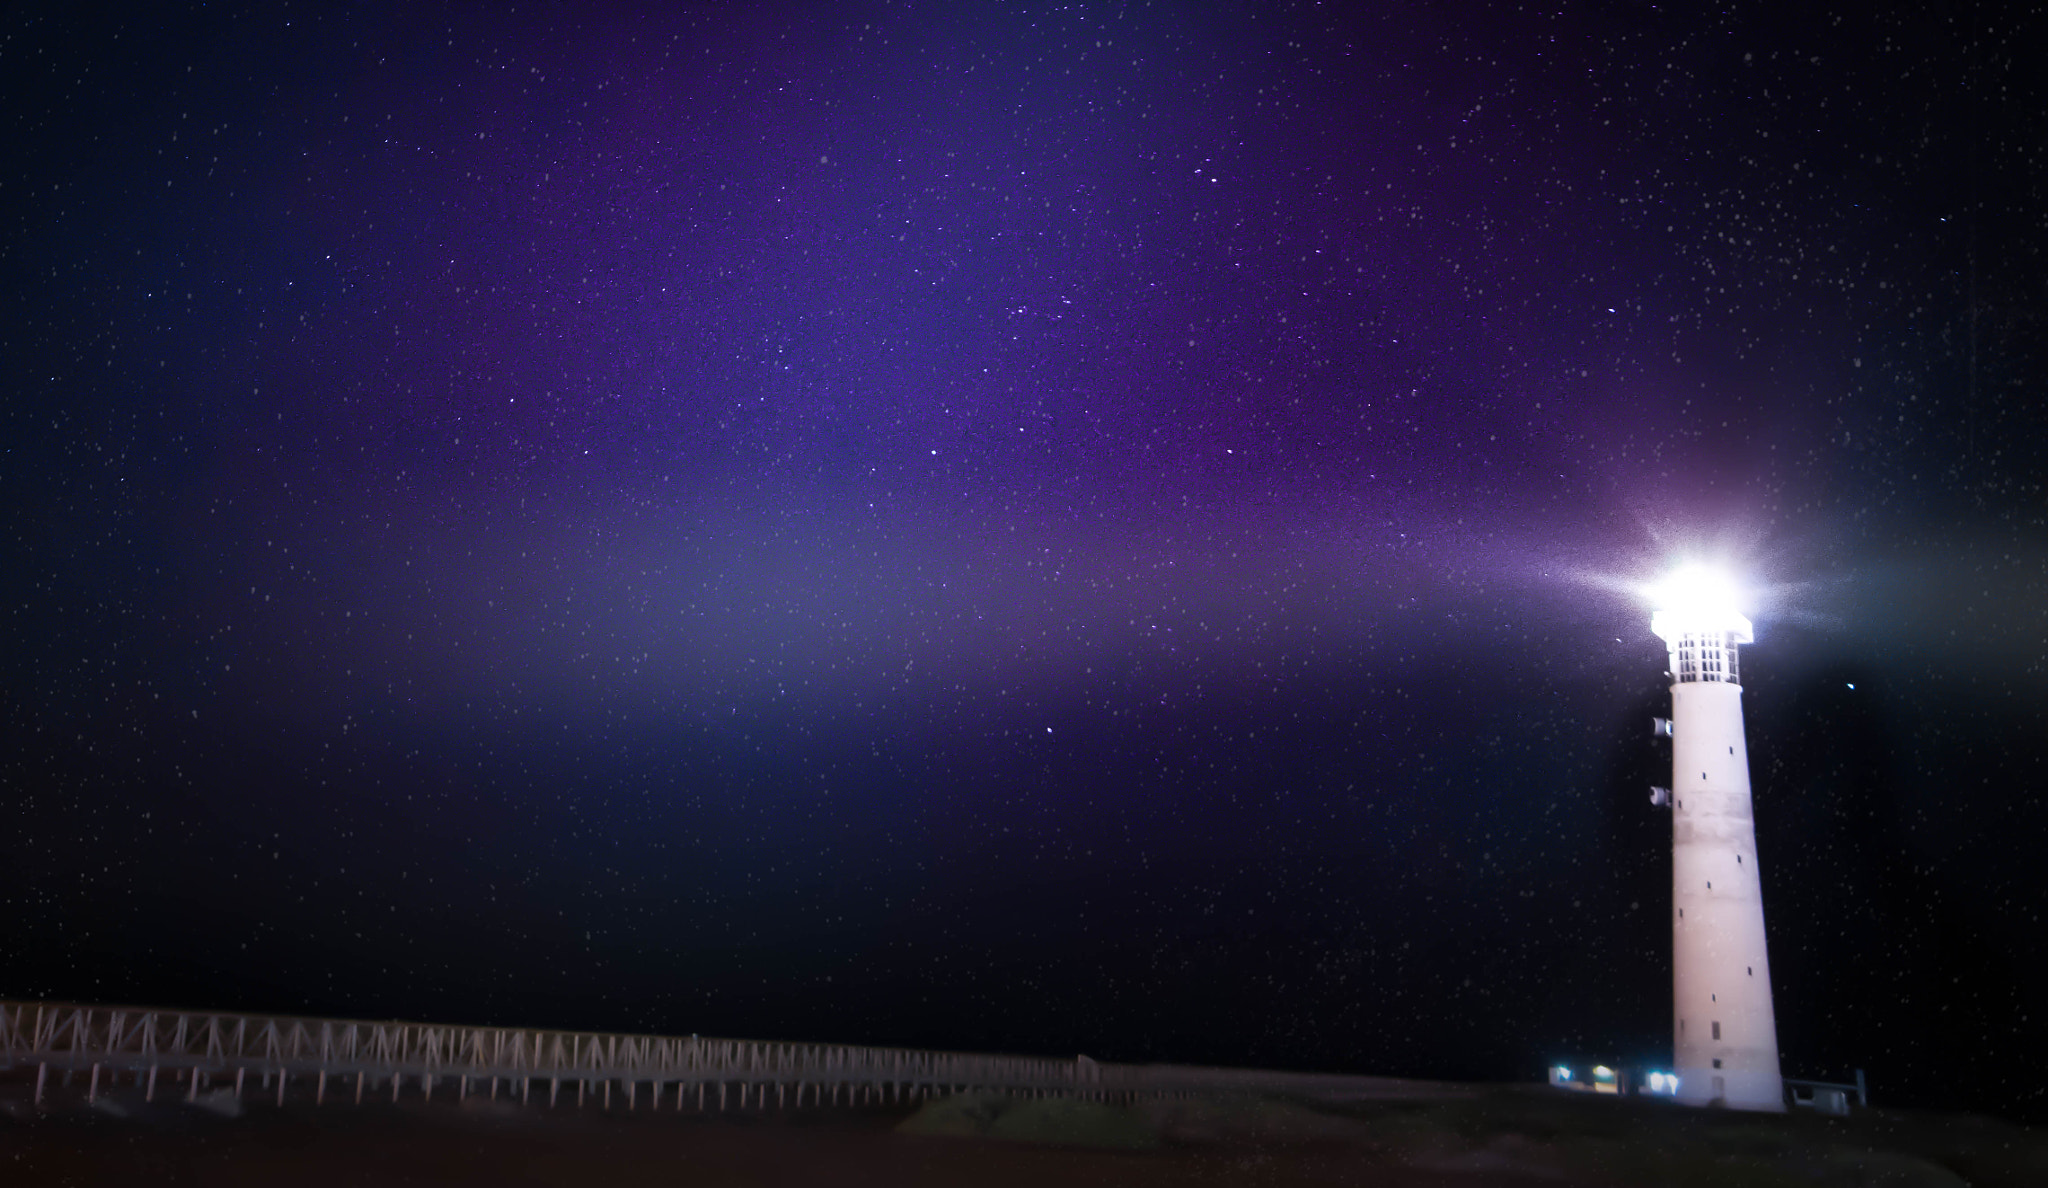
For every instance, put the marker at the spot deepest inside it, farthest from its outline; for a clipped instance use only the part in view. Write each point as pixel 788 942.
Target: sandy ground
pixel 312 1148
pixel 1493 1138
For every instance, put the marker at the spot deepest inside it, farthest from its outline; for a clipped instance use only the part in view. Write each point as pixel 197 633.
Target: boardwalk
pixel 198 1052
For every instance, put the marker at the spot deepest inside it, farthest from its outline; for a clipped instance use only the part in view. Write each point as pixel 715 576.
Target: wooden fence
pixel 208 1051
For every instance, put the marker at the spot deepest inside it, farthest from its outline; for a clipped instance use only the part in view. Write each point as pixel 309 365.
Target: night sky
pixel 1105 528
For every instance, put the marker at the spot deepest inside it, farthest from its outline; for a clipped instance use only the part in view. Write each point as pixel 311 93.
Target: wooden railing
pixel 206 1051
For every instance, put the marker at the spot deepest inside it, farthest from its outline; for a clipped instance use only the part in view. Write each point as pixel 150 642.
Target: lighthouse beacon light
pixel 1724 1028
pixel 1698 598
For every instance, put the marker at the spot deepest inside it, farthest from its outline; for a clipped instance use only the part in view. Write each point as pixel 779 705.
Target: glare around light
pixel 1697 589
pixel 1696 597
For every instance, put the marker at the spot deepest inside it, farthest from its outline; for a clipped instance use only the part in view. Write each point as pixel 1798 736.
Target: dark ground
pixel 1493 1137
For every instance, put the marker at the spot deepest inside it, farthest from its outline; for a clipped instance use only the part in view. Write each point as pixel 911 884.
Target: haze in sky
pixel 1097 528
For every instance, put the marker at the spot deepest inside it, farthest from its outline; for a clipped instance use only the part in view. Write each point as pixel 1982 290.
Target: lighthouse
pixel 1724 1032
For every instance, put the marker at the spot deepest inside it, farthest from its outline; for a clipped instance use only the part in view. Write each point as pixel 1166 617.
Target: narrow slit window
pixel 1717 1029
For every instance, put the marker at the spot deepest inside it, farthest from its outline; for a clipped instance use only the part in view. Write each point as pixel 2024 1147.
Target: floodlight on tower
pixel 1724 1028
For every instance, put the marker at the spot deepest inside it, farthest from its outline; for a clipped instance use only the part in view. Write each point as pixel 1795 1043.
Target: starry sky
pixel 1104 528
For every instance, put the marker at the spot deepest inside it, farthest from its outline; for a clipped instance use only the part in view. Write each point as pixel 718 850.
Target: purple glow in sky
pixel 1006 525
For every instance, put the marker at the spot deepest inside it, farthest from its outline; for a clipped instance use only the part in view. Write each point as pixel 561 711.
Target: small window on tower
pixel 1717 1062
pixel 1750 969
pixel 1731 750
pixel 1717 1029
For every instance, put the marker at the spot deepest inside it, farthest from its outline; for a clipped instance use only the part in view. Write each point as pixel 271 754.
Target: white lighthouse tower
pixel 1724 1032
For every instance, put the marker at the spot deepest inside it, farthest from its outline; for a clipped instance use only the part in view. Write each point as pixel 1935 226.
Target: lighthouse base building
pixel 1724 1032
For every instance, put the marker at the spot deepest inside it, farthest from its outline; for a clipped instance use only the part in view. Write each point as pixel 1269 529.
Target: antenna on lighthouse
pixel 1724 1029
